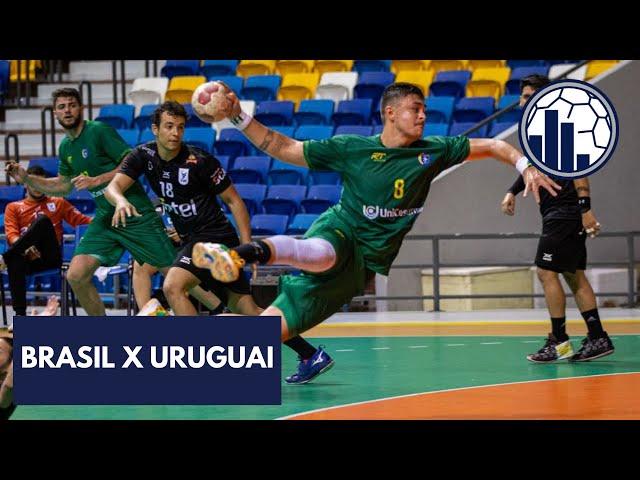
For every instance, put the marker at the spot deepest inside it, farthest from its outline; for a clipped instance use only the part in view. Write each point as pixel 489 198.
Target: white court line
pixel 454 345
pixel 345 350
pixel 531 341
pixel 381 348
pixel 419 346
pixel 490 343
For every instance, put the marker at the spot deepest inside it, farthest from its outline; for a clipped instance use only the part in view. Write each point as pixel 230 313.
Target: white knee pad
pixel 311 254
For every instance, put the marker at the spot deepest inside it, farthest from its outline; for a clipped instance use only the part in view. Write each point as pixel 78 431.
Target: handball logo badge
pixel 85 153
pixel 569 129
pixel 423 159
pixel 371 212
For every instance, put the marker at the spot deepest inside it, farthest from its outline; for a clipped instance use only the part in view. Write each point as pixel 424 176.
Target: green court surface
pixel 369 368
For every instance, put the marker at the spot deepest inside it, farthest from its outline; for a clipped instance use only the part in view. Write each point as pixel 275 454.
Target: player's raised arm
pixel 500 150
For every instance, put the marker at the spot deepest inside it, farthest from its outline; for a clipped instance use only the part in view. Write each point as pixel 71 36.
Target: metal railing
pixel 437 265
pixel 115 80
pixel 88 98
pixel 43 128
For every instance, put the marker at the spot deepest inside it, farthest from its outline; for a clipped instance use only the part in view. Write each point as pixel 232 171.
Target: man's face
pixel 68 112
pixel 526 94
pixel 170 132
pixel 409 116
pixel 33 193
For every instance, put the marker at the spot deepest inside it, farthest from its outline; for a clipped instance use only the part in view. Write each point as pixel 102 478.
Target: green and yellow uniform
pixel 97 150
pixel 384 191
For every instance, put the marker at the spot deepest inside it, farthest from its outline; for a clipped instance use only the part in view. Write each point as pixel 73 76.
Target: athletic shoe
pixel 552 351
pixel 309 369
pixel 224 264
pixel 593 348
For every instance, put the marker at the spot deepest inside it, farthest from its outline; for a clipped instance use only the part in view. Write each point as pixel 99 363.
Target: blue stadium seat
pixel 301 223
pixel 377 129
pixel 4 79
pixel 363 130
pixel 233 143
pixel 233 81
pixel 362 66
pixel 313 132
pixel 10 194
pixel 450 83
pixel 201 137
pixel 287 130
pixel 252 194
pixel 117 115
pixel 272 113
pixel 321 197
pixel 83 201
pixel 499 127
pixel 260 88
pixel 50 165
pixel 146 136
pixel 437 129
pixel 282 173
pixel 372 84
pixel 224 161
pixel 265 224
pixel 180 67
pixel 473 109
pixel 2 223
pixel 212 68
pixel 129 135
pixel 251 169
pixel 314 112
pixel 457 128
pixel 512 115
pixel 439 109
pixel 319 177
pixel 143 120
pixel 284 199
pixel 513 84
pixel 353 112
pixel 513 64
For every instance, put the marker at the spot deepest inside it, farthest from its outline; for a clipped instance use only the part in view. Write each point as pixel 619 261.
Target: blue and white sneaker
pixel 309 369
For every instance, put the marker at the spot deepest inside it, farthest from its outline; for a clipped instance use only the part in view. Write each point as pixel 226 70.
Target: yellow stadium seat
pixel 298 86
pixel 33 65
pixel 324 66
pixel 285 67
pixel 412 65
pixel 181 88
pixel 248 68
pixel 475 64
pixel 444 65
pixel 421 78
pixel 596 67
pixel 488 82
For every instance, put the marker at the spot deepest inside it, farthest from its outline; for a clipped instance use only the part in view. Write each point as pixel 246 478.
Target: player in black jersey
pixel 187 180
pixel 567 219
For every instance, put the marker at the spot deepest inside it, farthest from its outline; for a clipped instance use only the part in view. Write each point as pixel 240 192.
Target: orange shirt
pixel 18 216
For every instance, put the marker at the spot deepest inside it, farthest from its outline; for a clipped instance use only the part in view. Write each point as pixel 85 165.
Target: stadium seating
pixel 301 223
pixel 324 66
pixel 285 67
pixel 148 90
pixel 420 78
pixel 174 68
pixel 336 86
pixel 488 82
pixel 201 137
pixel 450 83
pixel 298 86
pixel 314 112
pixel 274 113
pixel 321 197
pixel 216 68
pixel 248 68
pixel 410 65
pixel 117 115
pixel 261 87
pixel 181 88
pixel 265 224
pixel 353 112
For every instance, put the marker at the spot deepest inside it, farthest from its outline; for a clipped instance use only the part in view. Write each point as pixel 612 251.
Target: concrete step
pixel 30 119
pixel 31 145
pixel 85 70
pixel 101 93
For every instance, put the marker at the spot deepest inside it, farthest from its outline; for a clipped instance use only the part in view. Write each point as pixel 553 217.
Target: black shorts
pixel 562 246
pixel 207 282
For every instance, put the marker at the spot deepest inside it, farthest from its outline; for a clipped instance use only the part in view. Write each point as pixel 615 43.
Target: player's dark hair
pixel 174 109
pixel 66 92
pixel 397 91
pixel 535 81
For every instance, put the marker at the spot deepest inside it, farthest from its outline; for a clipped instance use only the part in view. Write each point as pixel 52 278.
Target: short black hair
pixel 172 108
pixel 66 92
pixel 535 81
pixel 37 170
pixel 397 91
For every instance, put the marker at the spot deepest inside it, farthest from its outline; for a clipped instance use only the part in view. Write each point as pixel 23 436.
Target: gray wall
pixel 466 200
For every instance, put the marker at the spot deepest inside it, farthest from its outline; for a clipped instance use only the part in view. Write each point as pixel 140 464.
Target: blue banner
pixel 225 360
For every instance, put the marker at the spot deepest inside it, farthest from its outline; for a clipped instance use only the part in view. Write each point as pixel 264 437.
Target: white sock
pixel 311 254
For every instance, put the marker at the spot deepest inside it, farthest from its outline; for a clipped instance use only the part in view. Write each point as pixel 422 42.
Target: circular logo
pixel 370 211
pixel 85 153
pixel 423 159
pixel 569 129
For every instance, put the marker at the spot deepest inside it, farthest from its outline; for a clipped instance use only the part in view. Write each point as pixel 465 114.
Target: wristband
pixel 241 121
pixel 584 203
pixel 522 164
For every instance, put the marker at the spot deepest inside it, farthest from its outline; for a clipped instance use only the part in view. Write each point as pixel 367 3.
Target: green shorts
pixel 144 237
pixel 308 299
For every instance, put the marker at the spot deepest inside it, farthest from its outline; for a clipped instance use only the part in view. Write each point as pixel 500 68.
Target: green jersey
pixel 97 150
pixel 384 189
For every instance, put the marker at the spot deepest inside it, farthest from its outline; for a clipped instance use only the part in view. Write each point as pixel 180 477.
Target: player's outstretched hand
pixel 123 210
pixel 508 204
pixel 15 171
pixel 590 224
pixel 534 180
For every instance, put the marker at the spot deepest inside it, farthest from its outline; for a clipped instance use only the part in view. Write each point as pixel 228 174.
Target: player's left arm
pixel 239 211
pixel 589 221
pixel 481 148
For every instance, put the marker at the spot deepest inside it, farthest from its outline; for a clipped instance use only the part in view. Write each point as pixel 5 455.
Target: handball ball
pixel 210 103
